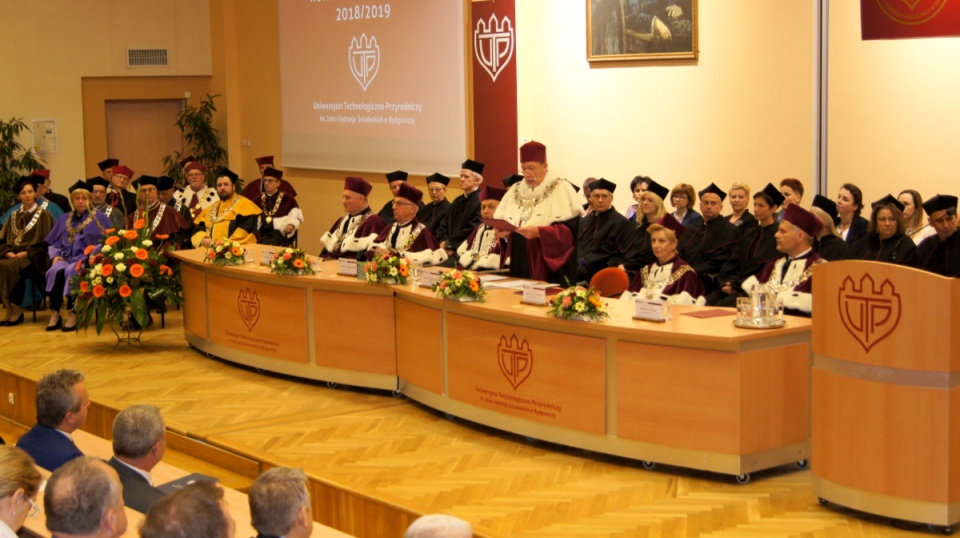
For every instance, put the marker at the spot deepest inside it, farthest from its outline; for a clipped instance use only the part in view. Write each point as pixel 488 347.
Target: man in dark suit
pixel 62 404
pixel 199 510
pixel 84 498
pixel 280 504
pixel 139 442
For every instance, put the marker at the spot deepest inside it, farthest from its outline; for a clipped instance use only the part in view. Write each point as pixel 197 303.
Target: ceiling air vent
pixel 146 57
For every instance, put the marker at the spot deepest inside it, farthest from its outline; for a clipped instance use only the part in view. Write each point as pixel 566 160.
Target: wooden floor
pixel 410 457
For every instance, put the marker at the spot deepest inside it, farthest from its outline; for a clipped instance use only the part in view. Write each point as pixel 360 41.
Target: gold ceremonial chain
pixel 215 218
pixel 350 231
pixel 142 214
pixel 527 206
pixel 72 232
pixel 413 236
pixel 276 206
pixel 789 285
pixel 484 247
pixel 18 232
pixel 650 290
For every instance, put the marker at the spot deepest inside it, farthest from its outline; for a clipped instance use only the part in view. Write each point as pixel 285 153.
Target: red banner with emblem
pixel 494 39
pixel 898 19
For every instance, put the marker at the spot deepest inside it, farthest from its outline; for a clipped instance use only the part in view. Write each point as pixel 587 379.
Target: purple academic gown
pixel 91 234
pixel 689 282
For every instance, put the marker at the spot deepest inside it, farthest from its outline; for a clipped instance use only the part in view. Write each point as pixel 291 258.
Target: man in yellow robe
pixel 233 217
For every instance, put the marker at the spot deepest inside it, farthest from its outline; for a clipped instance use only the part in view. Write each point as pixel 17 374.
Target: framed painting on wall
pixel 630 30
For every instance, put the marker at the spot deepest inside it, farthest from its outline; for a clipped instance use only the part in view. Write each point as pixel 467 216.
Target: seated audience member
pixel 196 511
pixel 940 253
pixel 638 186
pixel 232 217
pixel 84 498
pixel 118 195
pixel 709 242
pixel 23 249
pixel 406 236
pixel 790 275
pixel 512 180
pixel 437 526
pixel 139 442
pixel 792 191
pixel 850 225
pixel 62 404
pixel 828 243
pixel 394 179
pixel 433 213
pixel 739 197
pixel 588 206
pixel 165 191
pixel 885 240
pixel 756 248
pixel 604 233
pixel 197 195
pixel 669 279
pixel 638 253
pixel 19 485
pixel 255 188
pixel 98 200
pixel 682 197
pixel 47 191
pixel 483 250
pixel 915 226
pixel 106 168
pixel 42 202
pixel 67 245
pixel 280 504
pixel 464 213
pixel 353 233
pixel 167 226
pixel 281 217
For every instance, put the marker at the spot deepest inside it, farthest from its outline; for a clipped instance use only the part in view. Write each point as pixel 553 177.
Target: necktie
pixel 194 202
pixel 346 224
pixel 786 267
pixel 394 235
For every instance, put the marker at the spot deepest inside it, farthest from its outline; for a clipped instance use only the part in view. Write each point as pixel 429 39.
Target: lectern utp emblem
pixel 364 59
pixel 911 12
pixel 493 44
pixel 869 314
pixel 248 304
pixel 515 359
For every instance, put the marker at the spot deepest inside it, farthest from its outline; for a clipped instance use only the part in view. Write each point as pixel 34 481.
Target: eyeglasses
pixel 396 203
pixel 437 189
pixel 679 196
pixel 34 508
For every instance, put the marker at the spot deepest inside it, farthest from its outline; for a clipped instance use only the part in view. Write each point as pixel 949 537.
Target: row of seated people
pixel 86 496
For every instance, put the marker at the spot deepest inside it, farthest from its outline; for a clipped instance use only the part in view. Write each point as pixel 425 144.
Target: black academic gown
pixel 745 223
pixel 831 248
pixel 897 249
pixel 601 242
pixel 462 218
pixel 859 227
pixel 940 257
pixel 60 200
pixel 706 246
pixel 433 214
pixel 756 249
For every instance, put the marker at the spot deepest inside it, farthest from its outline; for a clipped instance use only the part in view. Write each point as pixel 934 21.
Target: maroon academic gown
pixel 171 224
pixel 371 226
pixel 688 282
pixel 254 188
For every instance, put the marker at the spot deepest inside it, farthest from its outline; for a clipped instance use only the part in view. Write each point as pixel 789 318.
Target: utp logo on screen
pixel 364 54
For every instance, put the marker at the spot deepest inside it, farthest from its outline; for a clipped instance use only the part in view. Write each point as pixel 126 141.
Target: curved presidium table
pixel 694 391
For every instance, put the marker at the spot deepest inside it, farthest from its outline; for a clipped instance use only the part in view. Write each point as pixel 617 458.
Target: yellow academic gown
pixel 234 219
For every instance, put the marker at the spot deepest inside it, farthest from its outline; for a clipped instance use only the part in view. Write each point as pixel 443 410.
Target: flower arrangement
pixel 460 285
pixel 291 261
pixel 578 302
pixel 125 272
pixel 387 266
pixel 224 252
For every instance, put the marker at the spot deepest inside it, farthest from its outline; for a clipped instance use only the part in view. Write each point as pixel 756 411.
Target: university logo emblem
pixel 493 44
pixel 515 359
pixel 911 12
pixel 364 59
pixel 869 314
pixel 248 304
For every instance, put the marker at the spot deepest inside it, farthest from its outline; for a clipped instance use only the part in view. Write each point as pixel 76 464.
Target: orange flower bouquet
pixel 124 273
pixel 578 303
pixel 463 286
pixel 386 268
pixel 291 261
pixel 224 252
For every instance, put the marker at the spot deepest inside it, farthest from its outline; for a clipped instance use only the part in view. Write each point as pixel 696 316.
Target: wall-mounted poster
pixel 621 30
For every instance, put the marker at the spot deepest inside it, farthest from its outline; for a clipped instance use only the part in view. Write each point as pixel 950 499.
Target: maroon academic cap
pixel 668 221
pixel 123 170
pixel 196 165
pixel 43 172
pixel 533 152
pixel 107 163
pixel 357 185
pixel 492 193
pixel 803 219
pixel 187 160
pixel 410 192
pixel 268 160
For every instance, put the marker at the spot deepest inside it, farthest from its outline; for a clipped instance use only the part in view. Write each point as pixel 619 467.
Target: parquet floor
pixel 408 455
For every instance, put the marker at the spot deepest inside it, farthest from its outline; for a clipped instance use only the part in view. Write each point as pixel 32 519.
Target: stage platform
pixel 376 461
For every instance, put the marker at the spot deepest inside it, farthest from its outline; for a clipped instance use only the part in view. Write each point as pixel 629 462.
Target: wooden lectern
pixel 885 391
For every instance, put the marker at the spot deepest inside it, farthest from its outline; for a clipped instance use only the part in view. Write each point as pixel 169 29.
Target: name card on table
pixel 347 266
pixel 535 294
pixel 658 311
pixel 430 277
pixel 268 255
